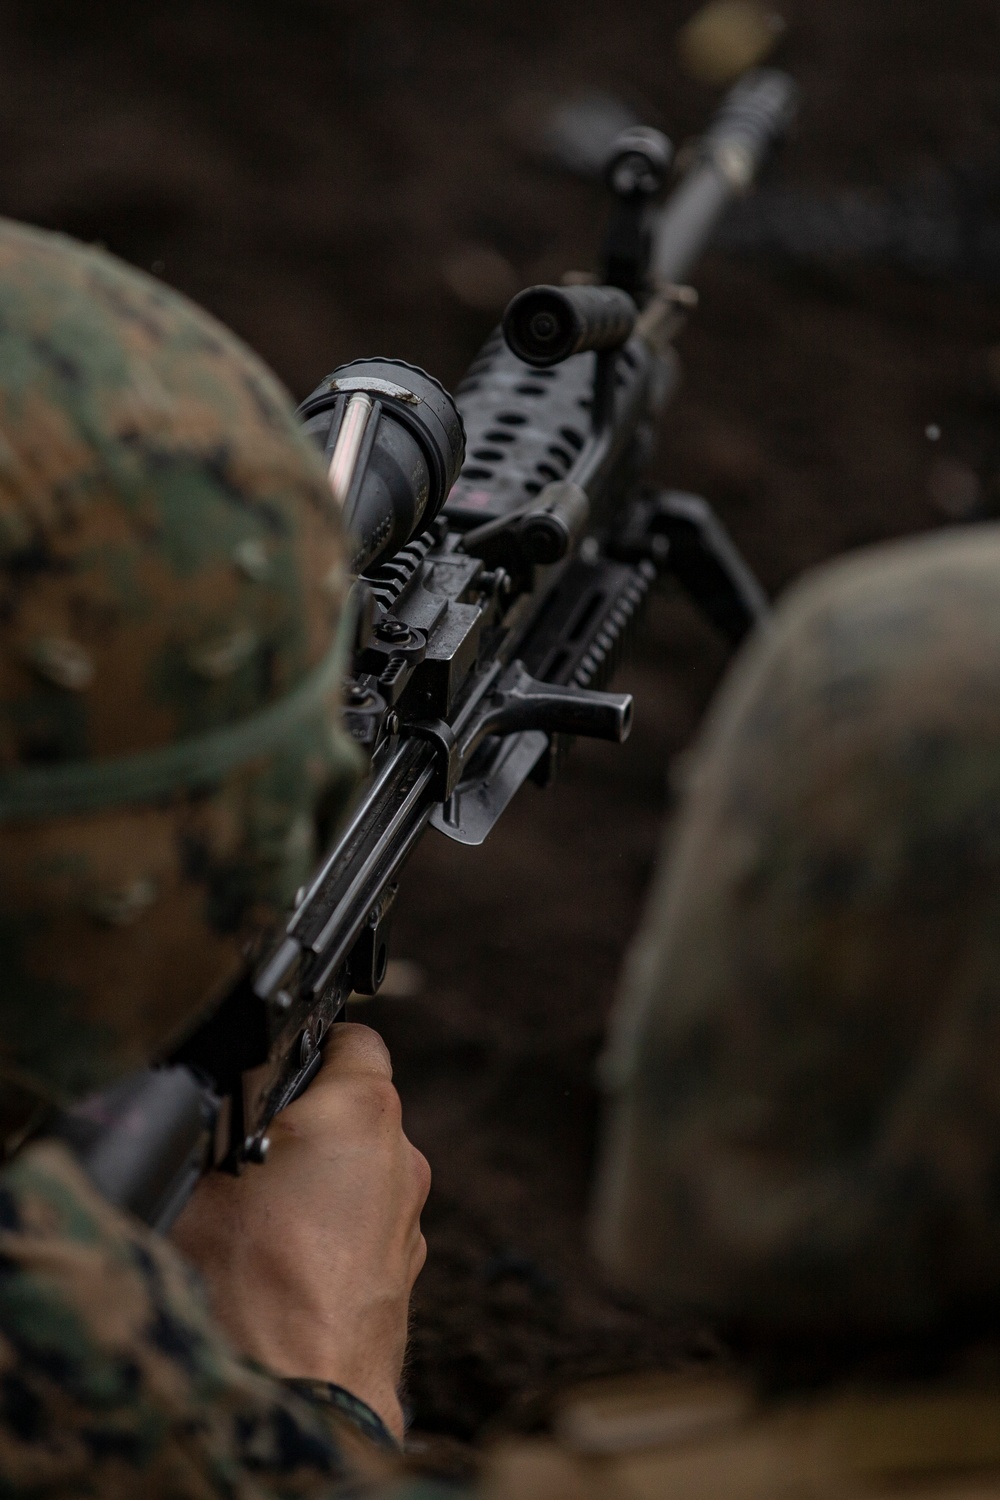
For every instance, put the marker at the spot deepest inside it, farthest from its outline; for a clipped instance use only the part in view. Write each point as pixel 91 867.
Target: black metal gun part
pixel 506 544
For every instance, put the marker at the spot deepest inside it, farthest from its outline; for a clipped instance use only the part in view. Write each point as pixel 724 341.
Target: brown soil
pixel 305 169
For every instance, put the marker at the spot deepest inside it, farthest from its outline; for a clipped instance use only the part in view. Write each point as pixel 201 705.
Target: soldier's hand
pixel 310 1259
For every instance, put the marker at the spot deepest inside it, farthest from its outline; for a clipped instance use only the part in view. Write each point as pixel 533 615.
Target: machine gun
pixel 505 545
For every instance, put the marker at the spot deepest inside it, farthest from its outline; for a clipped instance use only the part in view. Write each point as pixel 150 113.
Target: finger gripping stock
pixel 546 324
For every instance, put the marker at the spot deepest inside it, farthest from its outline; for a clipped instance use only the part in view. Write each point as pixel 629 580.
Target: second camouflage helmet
pixel 805 1127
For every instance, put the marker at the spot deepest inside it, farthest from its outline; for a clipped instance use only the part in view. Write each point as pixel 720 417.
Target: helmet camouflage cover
pixel 171 578
pixel 804 1135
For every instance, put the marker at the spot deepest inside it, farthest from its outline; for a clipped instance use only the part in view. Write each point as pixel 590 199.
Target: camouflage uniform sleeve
pixel 113 1375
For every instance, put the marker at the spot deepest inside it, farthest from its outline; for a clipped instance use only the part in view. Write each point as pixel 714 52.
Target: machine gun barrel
pixel 754 117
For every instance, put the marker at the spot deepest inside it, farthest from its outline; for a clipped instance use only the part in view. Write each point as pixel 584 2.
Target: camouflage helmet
pixel 804 1132
pixel 171 579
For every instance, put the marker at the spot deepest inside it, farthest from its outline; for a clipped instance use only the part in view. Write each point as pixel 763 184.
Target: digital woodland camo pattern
pixel 115 1382
pixel 171 578
pixel 805 1125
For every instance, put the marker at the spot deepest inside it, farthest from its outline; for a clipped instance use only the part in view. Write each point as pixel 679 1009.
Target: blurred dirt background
pixel 334 179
